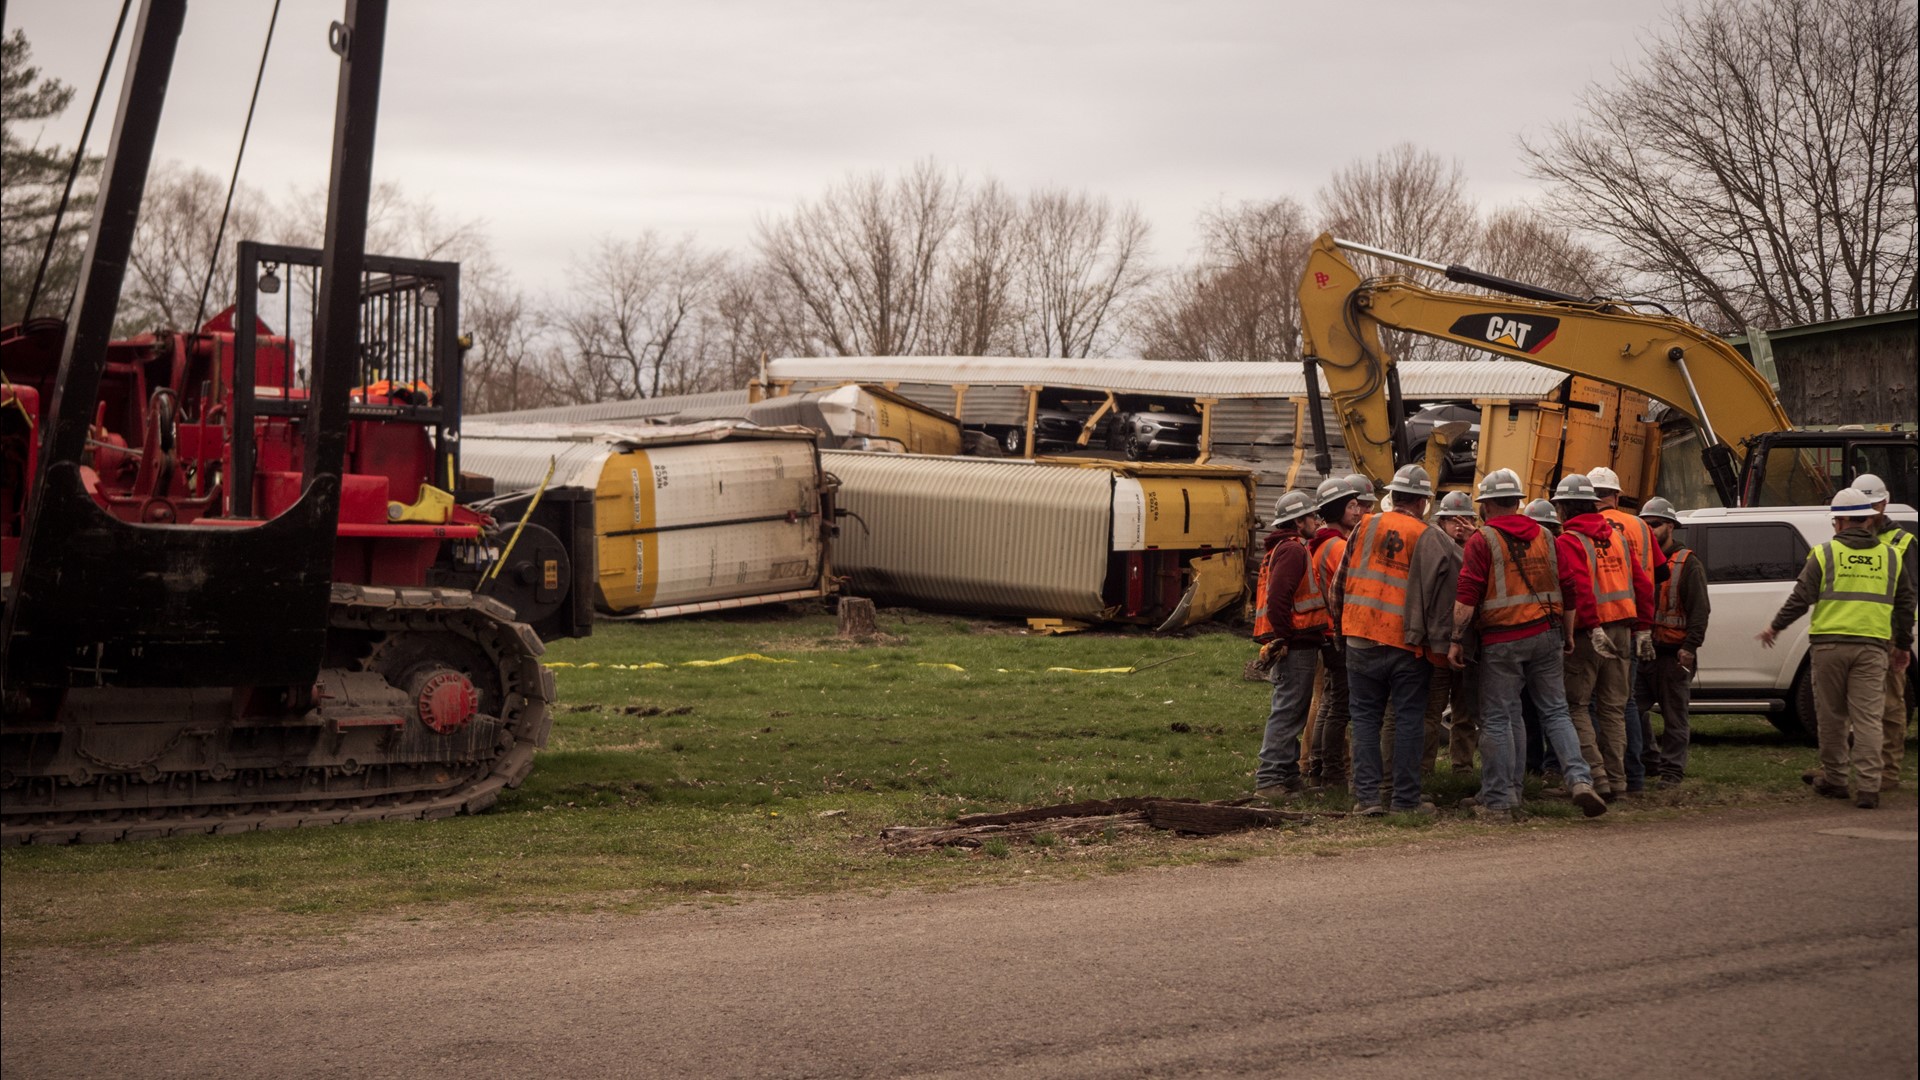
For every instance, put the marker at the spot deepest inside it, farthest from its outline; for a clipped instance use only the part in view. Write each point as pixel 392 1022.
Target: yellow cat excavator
pixel 1646 352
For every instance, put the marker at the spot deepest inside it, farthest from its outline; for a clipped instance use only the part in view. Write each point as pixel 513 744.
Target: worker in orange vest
pixel 1290 623
pixel 1606 584
pixel 1392 602
pixel 1343 504
pixel 1454 696
pixel 1680 612
pixel 1509 600
pixel 1646 552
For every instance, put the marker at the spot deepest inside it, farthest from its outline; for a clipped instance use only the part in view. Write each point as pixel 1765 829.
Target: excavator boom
pixel 1665 358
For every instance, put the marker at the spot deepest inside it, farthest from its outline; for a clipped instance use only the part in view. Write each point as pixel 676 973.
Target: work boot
pixel 1369 810
pixel 1810 775
pixel 1588 800
pixel 1424 808
pixel 1487 815
pixel 1867 800
pixel 1826 788
pixel 1285 789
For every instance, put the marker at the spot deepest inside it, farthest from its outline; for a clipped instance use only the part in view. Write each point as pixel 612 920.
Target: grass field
pixel 670 778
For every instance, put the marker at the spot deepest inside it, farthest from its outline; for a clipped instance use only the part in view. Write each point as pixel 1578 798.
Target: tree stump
pixel 856 617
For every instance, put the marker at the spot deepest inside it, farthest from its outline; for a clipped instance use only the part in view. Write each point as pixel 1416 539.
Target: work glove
pixel 1643 645
pixel 1598 639
pixel 1273 650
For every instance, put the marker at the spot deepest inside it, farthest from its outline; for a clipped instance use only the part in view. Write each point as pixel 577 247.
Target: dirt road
pixel 1774 944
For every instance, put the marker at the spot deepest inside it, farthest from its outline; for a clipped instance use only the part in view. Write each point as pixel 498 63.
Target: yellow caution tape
pixel 655 665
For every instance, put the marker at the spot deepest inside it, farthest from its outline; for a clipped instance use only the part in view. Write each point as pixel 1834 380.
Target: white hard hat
pixel 1455 504
pixel 1575 488
pixel 1501 484
pixel 1850 502
pixel 1362 488
pixel 1543 512
pixel 1412 480
pixel 1604 479
pixel 1292 506
pixel 1874 488
pixel 1659 509
pixel 1331 490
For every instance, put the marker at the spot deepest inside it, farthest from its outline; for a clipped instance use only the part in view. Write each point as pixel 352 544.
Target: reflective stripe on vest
pixel 1669 617
pixel 1612 580
pixel 1379 563
pixel 1638 535
pixel 1510 601
pixel 1326 561
pixel 1856 590
pixel 1309 599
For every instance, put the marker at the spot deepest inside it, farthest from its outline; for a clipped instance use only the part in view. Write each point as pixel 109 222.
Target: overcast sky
pixel 560 122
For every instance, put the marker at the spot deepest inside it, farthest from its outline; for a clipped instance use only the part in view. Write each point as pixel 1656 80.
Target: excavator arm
pixel 1669 359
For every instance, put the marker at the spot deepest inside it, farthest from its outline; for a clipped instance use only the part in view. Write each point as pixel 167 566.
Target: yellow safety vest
pixel 1856 590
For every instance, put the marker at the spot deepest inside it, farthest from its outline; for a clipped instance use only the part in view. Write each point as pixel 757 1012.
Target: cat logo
pixel 1519 333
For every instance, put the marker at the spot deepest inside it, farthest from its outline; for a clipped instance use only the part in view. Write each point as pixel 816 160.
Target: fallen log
pixel 1211 819
pixel 906 838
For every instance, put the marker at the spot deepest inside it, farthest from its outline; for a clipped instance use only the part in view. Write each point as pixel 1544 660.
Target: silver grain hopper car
pixel 687 518
pixel 1087 540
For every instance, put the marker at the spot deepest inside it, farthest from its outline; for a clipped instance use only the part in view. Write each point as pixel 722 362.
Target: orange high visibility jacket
pixel 1309 599
pixel 1378 568
pixel 1521 592
pixel 1326 560
pixel 1611 572
pixel 1669 614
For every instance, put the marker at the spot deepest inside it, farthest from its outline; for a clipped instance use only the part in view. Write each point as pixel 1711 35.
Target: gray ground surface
pixel 1755 944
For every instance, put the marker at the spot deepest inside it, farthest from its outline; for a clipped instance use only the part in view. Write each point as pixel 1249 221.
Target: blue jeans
pixel 1535 666
pixel 1636 741
pixel 1380 678
pixel 1287 720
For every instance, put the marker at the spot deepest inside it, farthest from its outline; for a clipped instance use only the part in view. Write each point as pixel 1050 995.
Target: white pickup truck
pixel 1753 556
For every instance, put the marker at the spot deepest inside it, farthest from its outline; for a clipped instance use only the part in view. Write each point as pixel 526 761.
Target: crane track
pixel 134 801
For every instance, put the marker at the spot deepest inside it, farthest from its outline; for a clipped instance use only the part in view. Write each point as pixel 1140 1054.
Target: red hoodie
pixel 1576 580
pixel 1476 562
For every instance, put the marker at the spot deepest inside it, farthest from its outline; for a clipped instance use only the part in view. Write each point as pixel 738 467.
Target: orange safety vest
pixel 1669 617
pixel 1612 578
pixel 1326 561
pixel 1520 592
pixel 1309 599
pixel 1638 535
pixel 1379 564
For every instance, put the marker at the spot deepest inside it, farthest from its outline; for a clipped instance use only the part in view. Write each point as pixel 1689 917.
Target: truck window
pixel 1897 464
pixel 1802 475
pixel 1755 552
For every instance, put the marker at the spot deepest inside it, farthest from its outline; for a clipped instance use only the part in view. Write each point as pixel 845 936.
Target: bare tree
pixel 1239 304
pixel 174 244
pixel 1519 243
pixel 1083 263
pixel 510 365
pixel 632 305
pixel 1411 201
pixel 976 315
pixel 1758 163
pixel 863 261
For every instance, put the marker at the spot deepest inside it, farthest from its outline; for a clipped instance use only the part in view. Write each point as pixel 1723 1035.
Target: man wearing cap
pixel 1342 505
pixel 1290 623
pixel 1863 603
pixel 1893 714
pixel 1509 593
pixel 1680 611
pixel 1453 688
pixel 1603 585
pixel 1393 603
pixel 1645 551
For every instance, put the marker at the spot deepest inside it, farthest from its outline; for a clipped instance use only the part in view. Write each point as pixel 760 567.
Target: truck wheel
pixel 1798 721
pixel 1010 441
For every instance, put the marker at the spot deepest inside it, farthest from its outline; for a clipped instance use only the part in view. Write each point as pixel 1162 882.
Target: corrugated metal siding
pixel 1450 379
pixel 636 409
pixel 994 537
pixel 518 464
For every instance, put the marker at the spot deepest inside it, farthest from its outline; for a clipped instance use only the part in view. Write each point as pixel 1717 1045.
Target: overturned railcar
pixel 1092 541
pixel 686 518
